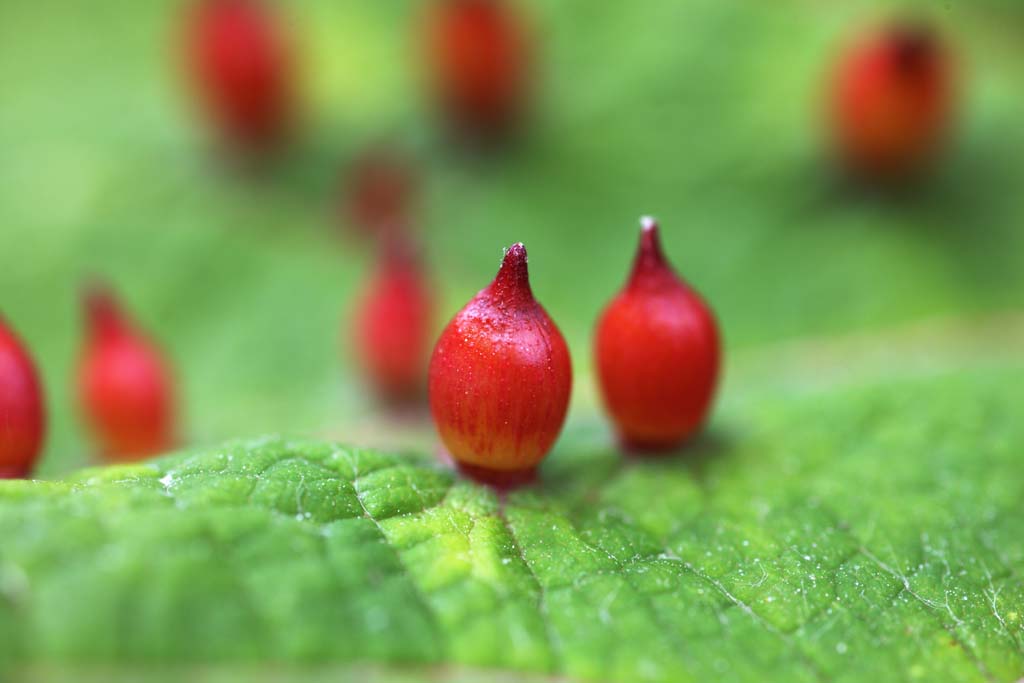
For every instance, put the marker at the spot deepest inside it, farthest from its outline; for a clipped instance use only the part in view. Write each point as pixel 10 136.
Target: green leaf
pixel 871 533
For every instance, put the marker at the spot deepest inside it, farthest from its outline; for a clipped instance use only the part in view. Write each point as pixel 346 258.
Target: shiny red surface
pixel 657 354
pixel 22 414
pixel 500 378
pixel 125 388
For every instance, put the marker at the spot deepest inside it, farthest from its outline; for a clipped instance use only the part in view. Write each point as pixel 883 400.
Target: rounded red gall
pixel 125 388
pixel 657 353
pixel 241 66
pixel 478 57
pixel 500 379
pixel 393 324
pixel 891 102
pixel 22 414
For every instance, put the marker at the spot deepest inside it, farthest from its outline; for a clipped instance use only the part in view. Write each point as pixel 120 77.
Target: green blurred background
pixel 704 113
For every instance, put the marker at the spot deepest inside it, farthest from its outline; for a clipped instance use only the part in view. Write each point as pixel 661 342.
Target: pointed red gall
pixel 125 387
pixel 500 379
pixel 657 353
pixel 393 323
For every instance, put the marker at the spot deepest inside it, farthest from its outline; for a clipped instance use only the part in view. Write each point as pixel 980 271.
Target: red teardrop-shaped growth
pixel 478 56
pixel 657 353
pixel 393 323
pixel 22 415
pixel 125 387
pixel 891 102
pixel 500 379
pixel 241 66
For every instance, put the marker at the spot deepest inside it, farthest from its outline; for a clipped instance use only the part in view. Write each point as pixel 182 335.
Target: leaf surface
pixel 871 533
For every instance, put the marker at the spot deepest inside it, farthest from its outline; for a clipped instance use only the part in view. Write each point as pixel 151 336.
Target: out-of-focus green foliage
pixel 706 114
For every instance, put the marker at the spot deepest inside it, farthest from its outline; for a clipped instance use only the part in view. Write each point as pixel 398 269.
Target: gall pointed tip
pixel 650 244
pixel 915 42
pixel 649 256
pixel 514 275
pixel 95 294
pixel 99 304
pixel 912 27
pixel 515 261
pixel 515 253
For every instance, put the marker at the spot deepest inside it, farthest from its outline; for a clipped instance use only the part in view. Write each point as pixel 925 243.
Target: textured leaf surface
pixel 872 534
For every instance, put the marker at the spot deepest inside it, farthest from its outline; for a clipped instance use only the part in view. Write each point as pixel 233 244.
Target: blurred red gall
pixel 891 102
pixel 478 56
pixel 125 387
pixel 22 414
pixel 241 66
pixel 380 192
pixel 393 323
